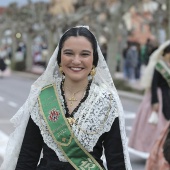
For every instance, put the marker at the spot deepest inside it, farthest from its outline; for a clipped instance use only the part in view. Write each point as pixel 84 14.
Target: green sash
pixel 164 70
pixel 61 132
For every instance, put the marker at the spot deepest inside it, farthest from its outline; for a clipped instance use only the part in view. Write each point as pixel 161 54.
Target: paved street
pixel 15 89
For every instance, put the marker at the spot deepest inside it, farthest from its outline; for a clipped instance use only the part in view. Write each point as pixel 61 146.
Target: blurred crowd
pixel 39 53
pixel 136 58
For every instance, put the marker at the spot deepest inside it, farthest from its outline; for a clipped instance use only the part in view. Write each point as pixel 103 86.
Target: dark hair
pixel 166 50
pixel 79 31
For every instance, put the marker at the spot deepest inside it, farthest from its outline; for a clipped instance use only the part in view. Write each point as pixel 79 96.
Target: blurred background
pixel 30 31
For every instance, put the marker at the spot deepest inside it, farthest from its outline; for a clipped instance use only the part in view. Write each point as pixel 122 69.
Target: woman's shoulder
pixel 103 91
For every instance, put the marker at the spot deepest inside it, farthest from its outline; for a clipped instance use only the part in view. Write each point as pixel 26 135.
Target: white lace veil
pixel 20 119
pixel 147 76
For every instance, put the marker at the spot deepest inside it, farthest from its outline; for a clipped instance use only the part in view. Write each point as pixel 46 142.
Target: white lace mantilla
pixel 93 118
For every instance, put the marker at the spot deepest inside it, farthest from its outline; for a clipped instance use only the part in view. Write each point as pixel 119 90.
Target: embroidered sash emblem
pixel 87 164
pixel 54 115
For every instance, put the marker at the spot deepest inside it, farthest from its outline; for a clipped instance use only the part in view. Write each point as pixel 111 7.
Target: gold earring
pixel 61 70
pixel 93 72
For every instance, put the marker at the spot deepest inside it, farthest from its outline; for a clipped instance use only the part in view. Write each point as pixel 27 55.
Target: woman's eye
pixel 85 54
pixel 68 53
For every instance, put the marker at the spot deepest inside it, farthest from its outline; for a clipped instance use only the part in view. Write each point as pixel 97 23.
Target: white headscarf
pixel 147 76
pixel 20 119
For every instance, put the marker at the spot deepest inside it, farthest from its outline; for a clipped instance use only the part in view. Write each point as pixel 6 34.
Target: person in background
pixel 150 121
pixel 2 61
pixel 150 47
pixel 131 62
pixel 161 79
pixel 72 113
pixel 124 52
pixel 20 57
pixel 139 62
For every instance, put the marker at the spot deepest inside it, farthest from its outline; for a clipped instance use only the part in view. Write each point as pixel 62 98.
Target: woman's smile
pixel 76 68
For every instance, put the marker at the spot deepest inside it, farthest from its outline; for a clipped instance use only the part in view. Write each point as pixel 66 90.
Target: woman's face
pixel 77 58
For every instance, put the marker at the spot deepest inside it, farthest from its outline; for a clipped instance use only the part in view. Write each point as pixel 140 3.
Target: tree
pixel 105 18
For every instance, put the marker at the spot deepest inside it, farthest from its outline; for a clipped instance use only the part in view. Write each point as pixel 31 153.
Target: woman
pixel 72 115
pixel 144 133
pixel 161 79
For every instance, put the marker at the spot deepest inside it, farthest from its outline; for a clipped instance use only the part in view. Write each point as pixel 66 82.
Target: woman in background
pixel 150 120
pixel 161 79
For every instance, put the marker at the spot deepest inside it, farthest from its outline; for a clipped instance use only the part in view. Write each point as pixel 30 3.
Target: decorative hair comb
pixel 85 26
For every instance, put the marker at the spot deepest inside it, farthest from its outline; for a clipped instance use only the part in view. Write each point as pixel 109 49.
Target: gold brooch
pixel 71 121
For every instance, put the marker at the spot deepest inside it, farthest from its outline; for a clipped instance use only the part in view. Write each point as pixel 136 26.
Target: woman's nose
pixel 76 59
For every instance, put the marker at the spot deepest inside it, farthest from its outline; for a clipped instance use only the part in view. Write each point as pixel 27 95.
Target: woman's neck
pixel 74 93
pixel 166 60
pixel 166 57
pixel 73 86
